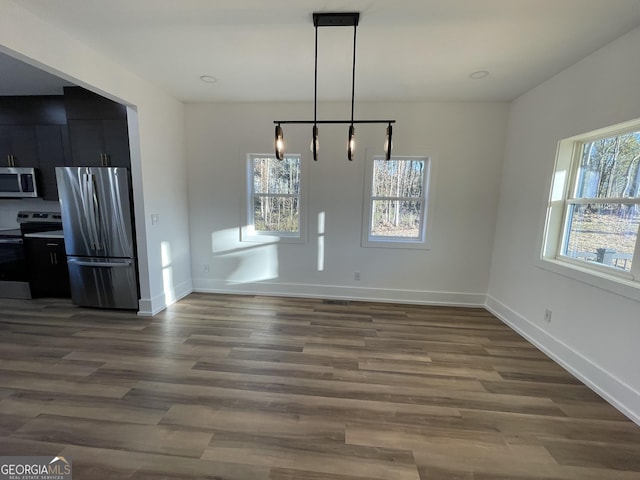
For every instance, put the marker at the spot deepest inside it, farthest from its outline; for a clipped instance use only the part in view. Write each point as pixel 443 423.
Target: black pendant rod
pixel 334 122
pixel 315 81
pixel 314 133
pixel 353 72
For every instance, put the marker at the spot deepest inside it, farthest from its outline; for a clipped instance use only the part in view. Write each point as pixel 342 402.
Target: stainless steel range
pixel 14 274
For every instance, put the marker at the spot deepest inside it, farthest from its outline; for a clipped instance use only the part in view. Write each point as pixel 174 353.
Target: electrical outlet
pixel 205 268
pixel 547 315
pixel 356 276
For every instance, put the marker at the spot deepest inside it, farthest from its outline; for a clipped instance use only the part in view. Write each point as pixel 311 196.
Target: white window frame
pixel 423 241
pixel 248 232
pixel 615 280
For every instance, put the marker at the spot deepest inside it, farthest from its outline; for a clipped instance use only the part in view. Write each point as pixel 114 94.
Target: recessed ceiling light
pixel 208 79
pixel 478 75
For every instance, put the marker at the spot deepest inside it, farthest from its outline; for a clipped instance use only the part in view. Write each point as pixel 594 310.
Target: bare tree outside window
pixel 276 194
pixel 398 198
pixel 603 214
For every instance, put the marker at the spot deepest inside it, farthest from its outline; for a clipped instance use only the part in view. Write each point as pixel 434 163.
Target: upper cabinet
pixel 99 143
pixel 79 128
pixel 19 117
pixel 98 131
pixel 18 146
pixel 33 110
pixel 53 151
pixel 33 133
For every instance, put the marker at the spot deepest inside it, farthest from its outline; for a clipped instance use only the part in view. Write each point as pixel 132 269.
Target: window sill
pixel 396 242
pixel 611 283
pixel 248 235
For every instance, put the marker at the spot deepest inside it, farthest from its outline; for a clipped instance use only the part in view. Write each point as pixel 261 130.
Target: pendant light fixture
pixel 388 143
pixel 314 146
pixel 340 19
pixel 279 143
pixel 351 143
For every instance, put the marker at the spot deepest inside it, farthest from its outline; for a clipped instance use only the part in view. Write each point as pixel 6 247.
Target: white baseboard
pixel 182 290
pixel 622 396
pixel 148 307
pixel 418 297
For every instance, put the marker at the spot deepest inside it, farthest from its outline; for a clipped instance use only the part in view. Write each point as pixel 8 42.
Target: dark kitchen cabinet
pixel 33 133
pixel 81 104
pixel 53 146
pixel 99 143
pixel 47 265
pixel 79 128
pixel 32 110
pixel 18 146
pixel 98 130
pixel 38 146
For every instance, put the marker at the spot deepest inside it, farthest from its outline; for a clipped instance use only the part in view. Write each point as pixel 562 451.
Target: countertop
pixel 51 234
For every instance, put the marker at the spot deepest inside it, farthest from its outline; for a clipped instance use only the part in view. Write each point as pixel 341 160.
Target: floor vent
pixel 336 302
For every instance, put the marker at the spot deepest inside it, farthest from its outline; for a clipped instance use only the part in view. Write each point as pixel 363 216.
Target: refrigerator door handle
pixel 89 202
pixel 85 193
pixel 81 263
pixel 95 213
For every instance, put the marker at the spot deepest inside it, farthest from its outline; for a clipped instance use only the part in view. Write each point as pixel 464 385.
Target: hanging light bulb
pixel 351 145
pixel 388 143
pixel 279 143
pixel 314 146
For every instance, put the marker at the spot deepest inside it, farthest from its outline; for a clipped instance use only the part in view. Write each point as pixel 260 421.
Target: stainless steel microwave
pixel 18 182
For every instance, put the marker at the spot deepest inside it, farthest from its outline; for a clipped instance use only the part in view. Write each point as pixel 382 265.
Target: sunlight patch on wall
pixel 167 273
pixel 243 262
pixel 321 216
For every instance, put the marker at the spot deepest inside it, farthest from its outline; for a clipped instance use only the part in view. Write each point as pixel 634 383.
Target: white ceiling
pixel 406 49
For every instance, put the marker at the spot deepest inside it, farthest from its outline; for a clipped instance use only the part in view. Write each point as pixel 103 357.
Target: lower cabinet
pixel 48 272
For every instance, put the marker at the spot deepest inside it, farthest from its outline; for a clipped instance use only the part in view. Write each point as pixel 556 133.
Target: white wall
pixel 158 159
pixel 466 141
pixel 593 333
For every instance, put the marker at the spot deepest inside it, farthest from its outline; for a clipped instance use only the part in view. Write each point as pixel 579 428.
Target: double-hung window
pixel 397 203
pixel 594 211
pixel 274 207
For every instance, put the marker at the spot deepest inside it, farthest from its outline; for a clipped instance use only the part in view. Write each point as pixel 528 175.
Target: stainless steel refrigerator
pixel 99 236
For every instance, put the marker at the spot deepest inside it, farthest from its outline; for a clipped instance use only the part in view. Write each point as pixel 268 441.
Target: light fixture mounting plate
pixel 336 19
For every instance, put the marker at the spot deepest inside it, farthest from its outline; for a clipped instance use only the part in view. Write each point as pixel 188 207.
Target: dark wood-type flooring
pixel 259 388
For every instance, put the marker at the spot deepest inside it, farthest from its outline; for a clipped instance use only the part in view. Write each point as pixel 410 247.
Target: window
pixel 594 211
pixel 397 202
pixel 274 202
